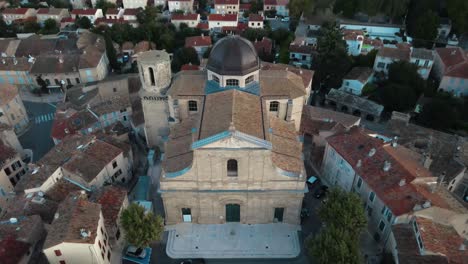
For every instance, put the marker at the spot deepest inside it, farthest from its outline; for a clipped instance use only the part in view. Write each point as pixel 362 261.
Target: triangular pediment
pixel 232 142
pixel 232 139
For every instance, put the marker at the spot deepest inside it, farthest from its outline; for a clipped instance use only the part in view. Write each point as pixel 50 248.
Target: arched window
pixel 232 82
pixel 232 168
pixel 215 78
pixel 274 106
pixel 151 72
pixel 249 79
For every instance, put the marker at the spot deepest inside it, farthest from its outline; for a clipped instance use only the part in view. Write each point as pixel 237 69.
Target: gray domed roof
pixel 233 55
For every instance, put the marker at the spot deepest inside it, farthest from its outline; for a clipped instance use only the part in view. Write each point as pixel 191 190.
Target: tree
pixel 141 228
pixel 365 60
pixel 458 13
pixel 42 84
pixel 344 219
pixel 440 113
pixel 334 246
pixel 426 31
pixel 7 31
pixel 83 22
pixel 148 15
pixel 406 73
pixel 31 27
pixel 296 7
pixel 50 27
pixel 184 56
pixel 333 61
pixel 256 6
pixel 111 53
pixel 104 5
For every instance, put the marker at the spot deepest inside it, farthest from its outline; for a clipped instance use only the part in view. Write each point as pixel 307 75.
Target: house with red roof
pixel 255 21
pixel 191 20
pixel 91 13
pixel 280 6
pixel 190 67
pixel 451 68
pixel 51 13
pixel 226 6
pixel 388 177
pixel 386 56
pixel 263 47
pixel 218 21
pixel 11 14
pixel 183 5
pixel 243 7
pixel 114 13
pixel 354 40
pixel 200 43
pixel 301 54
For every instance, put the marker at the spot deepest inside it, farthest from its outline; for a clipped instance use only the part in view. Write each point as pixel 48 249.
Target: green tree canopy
pixel 391 8
pixel 184 56
pixel 426 31
pixel 141 228
pixel 83 22
pixel 111 53
pixel 31 27
pixel 104 5
pixel 297 7
pixel 50 27
pixel 458 13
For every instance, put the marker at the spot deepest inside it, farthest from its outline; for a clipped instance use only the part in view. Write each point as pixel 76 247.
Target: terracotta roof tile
pixel 86 12
pixel 197 41
pixel 131 11
pixel 185 16
pixel 394 53
pixel 15 11
pixel 220 17
pixel 190 67
pixel 226 2
pixel 111 198
pixel 12 250
pixel 255 18
pixel 263 46
pixel 361 74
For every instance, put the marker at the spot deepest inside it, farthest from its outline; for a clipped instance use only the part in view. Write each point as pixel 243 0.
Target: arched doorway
pixel 151 73
pixel 232 212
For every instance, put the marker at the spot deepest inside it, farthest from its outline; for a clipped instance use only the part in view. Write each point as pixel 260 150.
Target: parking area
pixel 277 24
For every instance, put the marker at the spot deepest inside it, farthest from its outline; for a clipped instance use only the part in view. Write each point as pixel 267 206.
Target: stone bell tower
pixel 155 74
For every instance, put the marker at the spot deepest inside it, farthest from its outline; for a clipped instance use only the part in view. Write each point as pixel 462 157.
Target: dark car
pixel 321 192
pixel 193 261
pixel 136 252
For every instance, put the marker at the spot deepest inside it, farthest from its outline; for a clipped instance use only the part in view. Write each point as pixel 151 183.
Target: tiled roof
pixel 304 49
pixel 226 2
pixel 85 12
pixel 353 35
pixel 8 92
pixel 203 26
pixel 397 54
pixel 376 43
pixel 355 146
pixel 91 57
pixel 361 74
pixel 15 11
pixel 12 250
pixel 127 45
pixel 185 16
pixel 131 11
pixel 322 114
pixel 50 11
pixel 197 41
pixel 67 63
pixel 111 199
pixel 24 230
pixel 306 75
pixel 74 214
pixel 243 6
pixel 143 46
pixel 220 17
pixel 255 18
pixel 24 206
pixel 190 67
pixel 451 56
pixel 263 46
pixel 112 11
pixel 421 53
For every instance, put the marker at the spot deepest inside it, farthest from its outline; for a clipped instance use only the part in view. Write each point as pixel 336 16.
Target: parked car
pixel 135 252
pixel 285 19
pixel 312 181
pixel 321 192
pixel 193 261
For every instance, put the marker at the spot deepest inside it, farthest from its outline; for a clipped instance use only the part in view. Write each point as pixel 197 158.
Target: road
pixel 37 137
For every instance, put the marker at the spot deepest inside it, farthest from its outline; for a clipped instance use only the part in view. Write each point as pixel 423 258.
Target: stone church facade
pixel 233 153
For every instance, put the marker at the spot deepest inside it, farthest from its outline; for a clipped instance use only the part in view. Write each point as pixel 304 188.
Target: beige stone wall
pixel 15 113
pixel 210 208
pixel 156 115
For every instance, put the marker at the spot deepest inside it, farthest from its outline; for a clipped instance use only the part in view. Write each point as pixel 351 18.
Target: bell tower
pixel 154 69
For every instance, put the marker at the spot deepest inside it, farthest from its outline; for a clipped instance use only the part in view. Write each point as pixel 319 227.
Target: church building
pixel 233 153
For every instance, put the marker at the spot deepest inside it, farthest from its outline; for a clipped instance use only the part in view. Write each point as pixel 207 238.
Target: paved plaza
pixel 233 240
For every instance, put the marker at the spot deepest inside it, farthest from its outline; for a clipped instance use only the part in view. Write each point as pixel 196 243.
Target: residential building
pixel 15 71
pixel 451 68
pixel 226 6
pixel 11 15
pixel 7 134
pixel 90 13
pixel 424 59
pixel 12 111
pixel 130 16
pixel 78 234
pixel 85 161
pixel 114 13
pixel 300 54
pixel 134 3
pixel 391 183
pixel 383 31
pixel 354 41
pixel 386 56
pixel 280 6
pixel 184 5
pixel 51 13
pixel 200 43
pixel 79 4
pixel 355 80
pixel 241 164
pixel 191 20
pixel 433 235
pixel 12 168
pixel 369 45
pixel 20 237
pixel 218 21
pixel 352 104
pixel 113 200
pixel 255 21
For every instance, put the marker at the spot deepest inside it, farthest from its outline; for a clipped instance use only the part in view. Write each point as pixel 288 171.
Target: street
pixel 37 137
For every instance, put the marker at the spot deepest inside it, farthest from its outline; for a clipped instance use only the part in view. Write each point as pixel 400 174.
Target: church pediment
pixel 233 140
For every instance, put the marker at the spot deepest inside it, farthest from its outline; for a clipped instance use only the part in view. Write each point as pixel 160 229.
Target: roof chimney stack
pixel 387 165
pixel 402 182
pixel 372 152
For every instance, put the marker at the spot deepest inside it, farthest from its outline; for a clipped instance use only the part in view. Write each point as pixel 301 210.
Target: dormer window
pixel 232 82
pixel 249 79
pixel 216 79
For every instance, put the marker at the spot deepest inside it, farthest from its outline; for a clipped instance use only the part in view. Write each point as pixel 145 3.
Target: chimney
pixel 462 246
pixel 61 59
pixel 372 152
pixel 402 182
pixel 387 165
pixel 427 161
pixel 395 142
pixel 359 163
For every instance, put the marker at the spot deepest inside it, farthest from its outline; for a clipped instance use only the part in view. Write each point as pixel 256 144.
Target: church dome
pixel 233 55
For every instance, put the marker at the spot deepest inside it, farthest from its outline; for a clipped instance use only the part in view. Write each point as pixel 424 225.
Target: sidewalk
pixel 45 98
pixel 233 240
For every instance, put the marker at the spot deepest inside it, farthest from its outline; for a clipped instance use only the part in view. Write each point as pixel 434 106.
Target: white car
pixel 285 19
